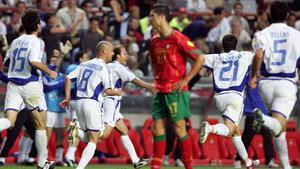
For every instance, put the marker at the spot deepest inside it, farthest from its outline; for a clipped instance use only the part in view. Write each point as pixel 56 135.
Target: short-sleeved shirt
pixel 119 75
pixel 23 50
pixel 230 70
pixel 168 58
pixel 73 85
pixel 91 79
pixel 281 50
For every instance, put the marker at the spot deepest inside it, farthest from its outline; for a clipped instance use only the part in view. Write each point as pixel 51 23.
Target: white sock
pixel 281 146
pixel 23 147
pixel 59 154
pixel 219 129
pixel 272 124
pixel 130 148
pixel 28 149
pixel 70 155
pixel 87 155
pixel 41 146
pixel 239 147
pixel 82 135
pixel 4 124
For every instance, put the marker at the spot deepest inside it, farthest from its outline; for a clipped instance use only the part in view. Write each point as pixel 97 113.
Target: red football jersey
pixel 168 58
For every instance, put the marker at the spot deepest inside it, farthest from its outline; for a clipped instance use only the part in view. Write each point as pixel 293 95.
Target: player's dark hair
pixel 279 11
pixel 30 20
pixel 229 42
pixel 162 10
pixel 78 56
pixel 117 51
pixel 238 4
pixel 218 10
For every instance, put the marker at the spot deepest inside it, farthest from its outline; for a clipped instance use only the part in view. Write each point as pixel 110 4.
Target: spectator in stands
pixel 52 33
pixel 3 29
pixel 196 6
pixel 134 12
pixel 45 6
pixel 89 38
pixel 237 30
pixel 291 21
pixel 15 23
pixel 118 19
pixel 133 65
pixel 21 7
pixel 72 17
pixel 262 21
pixel 223 25
pixel 238 11
pixel 180 21
pixel 87 6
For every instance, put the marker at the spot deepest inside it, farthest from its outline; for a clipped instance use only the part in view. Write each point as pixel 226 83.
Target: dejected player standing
pixel 170 51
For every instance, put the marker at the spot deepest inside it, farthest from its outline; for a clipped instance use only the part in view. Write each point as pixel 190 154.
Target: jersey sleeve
pixel 74 74
pixel 250 56
pixel 209 61
pixel 188 48
pixel 9 54
pixel 126 74
pixel 105 78
pixel 36 51
pixel 257 42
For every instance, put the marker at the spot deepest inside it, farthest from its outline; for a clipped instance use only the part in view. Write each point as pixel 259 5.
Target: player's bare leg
pixel 9 120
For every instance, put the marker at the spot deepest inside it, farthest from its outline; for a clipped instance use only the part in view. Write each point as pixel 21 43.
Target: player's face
pixel 85 57
pixel 123 57
pixel 109 52
pixel 154 19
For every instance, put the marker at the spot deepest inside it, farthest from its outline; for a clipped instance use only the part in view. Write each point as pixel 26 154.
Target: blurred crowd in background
pixel 73 26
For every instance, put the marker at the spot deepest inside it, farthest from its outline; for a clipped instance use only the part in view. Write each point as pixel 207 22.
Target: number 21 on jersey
pixel 227 69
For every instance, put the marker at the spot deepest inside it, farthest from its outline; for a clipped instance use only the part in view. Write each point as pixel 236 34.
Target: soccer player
pixel 91 81
pixel 253 102
pixel 276 54
pixel 25 86
pixel 70 155
pixel 54 94
pixel 230 77
pixel 169 53
pixel 119 75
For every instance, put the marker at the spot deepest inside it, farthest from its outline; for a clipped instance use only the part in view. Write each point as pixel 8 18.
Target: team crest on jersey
pixel 190 44
pixel 160 54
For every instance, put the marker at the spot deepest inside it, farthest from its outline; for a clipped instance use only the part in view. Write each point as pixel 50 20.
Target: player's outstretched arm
pixel 113 92
pixel 256 63
pixel 66 101
pixel 45 69
pixel 195 69
pixel 141 83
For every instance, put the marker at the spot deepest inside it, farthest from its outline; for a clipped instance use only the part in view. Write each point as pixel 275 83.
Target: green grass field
pixel 116 167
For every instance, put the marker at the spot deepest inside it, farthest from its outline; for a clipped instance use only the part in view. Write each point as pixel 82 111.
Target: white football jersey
pixel 119 74
pixel 91 79
pixel 23 50
pixel 281 50
pixel 230 70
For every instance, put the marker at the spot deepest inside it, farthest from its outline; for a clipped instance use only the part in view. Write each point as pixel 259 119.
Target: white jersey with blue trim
pixel 281 50
pixel 91 79
pixel 23 50
pixel 118 75
pixel 230 70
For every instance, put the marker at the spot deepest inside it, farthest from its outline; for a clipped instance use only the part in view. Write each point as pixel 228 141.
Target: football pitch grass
pixel 123 167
